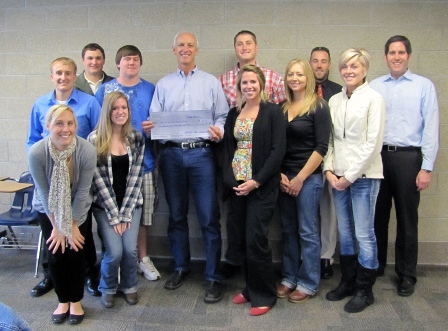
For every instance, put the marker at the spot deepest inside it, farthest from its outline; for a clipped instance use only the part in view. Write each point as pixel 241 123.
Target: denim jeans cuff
pixel 305 290
pixel 288 284
pixel 133 289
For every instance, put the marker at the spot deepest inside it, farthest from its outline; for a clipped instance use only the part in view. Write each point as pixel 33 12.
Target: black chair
pixel 22 213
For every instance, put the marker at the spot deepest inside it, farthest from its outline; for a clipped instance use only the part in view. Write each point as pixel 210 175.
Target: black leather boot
pixel 347 285
pixel 365 278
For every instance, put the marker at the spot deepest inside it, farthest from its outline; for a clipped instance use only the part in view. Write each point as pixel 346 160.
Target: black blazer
pixel 268 149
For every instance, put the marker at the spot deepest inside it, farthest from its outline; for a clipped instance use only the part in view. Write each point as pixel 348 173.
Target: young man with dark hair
pixel 139 93
pixel 93 59
pixel 411 141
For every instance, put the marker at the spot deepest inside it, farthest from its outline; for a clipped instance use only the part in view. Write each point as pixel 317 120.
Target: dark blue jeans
pixel 184 171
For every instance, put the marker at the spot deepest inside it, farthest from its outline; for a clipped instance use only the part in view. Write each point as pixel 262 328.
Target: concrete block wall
pixel 34 32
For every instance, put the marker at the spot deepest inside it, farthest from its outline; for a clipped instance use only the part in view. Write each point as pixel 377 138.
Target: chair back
pixel 22 205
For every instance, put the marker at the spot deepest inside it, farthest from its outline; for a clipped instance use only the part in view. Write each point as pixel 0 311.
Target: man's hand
pixel 422 180
pixel 215 133
pixel 147 126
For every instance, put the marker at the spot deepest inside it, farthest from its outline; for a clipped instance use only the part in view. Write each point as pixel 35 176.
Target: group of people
pixel 330 157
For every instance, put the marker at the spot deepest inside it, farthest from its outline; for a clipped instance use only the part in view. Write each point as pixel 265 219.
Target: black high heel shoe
pixel 60 318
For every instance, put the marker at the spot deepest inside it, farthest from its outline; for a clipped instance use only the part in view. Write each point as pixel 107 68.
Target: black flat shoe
pixel 214 292
pixel 44 286
pixel 60 318
pixel 405 287
pixel 75 319
pixel 177 279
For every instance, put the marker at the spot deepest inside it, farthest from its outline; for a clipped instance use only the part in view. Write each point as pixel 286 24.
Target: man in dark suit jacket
pixel 93 59
pixel 320 61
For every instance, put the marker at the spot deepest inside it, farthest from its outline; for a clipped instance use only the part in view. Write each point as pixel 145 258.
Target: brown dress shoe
pixel 283 291
pixel 298 296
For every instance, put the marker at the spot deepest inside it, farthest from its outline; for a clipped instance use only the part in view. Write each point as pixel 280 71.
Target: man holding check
pixel 188 164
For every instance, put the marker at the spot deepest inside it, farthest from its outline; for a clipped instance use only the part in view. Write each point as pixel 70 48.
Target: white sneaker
pixel 148 269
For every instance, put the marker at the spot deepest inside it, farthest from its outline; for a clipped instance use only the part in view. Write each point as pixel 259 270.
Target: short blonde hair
pixel 64 61
pixel 357 54
pixel 55 111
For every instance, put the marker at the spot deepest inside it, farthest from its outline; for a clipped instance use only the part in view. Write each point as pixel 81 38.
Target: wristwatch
pixel 427 171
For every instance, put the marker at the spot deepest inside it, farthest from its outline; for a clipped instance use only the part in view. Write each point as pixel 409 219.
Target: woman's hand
pixel 77 238
pixel 332 179
pixel 56 240
pixel 120 228
pixel 295 186
pixel 245 188
pixel 284 183
pixel 342 184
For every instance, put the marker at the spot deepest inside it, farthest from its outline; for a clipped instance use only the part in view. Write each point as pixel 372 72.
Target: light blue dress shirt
pixel 197 91
pixel 412 113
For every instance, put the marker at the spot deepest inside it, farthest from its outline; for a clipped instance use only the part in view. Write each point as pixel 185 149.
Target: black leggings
pixel 67 270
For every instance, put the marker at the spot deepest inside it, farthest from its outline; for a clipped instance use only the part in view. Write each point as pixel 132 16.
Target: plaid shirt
pixel 274 85
pixel 103 192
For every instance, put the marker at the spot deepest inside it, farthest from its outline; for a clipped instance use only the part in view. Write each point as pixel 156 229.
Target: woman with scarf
pixel 117 196
pixel 62 165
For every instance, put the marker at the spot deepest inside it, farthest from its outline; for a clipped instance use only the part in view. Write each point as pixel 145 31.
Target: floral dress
pixel 242 159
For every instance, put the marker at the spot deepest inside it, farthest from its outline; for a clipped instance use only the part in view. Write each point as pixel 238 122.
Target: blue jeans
pixel 121 252
pixel 355 211
pixel 10 320
pixel 301 241
pixel 185 170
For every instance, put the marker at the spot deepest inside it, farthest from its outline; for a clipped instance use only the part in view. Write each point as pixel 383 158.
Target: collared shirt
pixel 139 96
pixel 94 86
pixel 197 91
pixel 103 192
pixel 329 89
pixel 412 113
pixel 274 85
pixel 86 109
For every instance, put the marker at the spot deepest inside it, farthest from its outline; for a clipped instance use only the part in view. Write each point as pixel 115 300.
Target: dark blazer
pixel 82 84
pixel 329 88
pixel 268 149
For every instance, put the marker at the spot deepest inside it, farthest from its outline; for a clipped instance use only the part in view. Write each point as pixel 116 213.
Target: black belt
pixel 187 145
pixel 389 148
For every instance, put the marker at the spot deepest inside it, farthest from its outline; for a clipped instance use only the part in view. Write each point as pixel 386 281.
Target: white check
pixel 175 125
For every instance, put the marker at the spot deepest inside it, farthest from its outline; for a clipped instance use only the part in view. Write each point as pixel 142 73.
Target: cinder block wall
pixel 34 32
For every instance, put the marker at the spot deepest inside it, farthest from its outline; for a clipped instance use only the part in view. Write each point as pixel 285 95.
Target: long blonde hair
pixel 103 140
pixel 311 100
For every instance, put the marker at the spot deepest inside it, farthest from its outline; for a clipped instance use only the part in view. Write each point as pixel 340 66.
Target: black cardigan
pixel 268 149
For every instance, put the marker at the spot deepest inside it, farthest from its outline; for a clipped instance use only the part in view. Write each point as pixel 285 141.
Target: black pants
pixel 400 171
pixel 67 271
pixel 89 251
pixel 251 216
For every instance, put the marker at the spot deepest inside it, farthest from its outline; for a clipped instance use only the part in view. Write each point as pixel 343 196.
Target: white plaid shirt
pixel 103 192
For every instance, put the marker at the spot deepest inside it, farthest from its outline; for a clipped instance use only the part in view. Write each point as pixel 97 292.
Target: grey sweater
pixel 41 168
